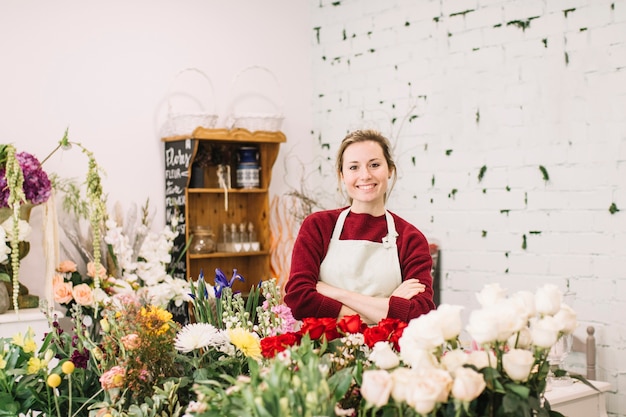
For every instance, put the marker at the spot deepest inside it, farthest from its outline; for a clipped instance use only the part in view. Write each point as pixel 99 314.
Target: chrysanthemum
pixel 246 342
pixel 199 335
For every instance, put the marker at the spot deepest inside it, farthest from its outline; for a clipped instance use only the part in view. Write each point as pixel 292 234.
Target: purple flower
pixel 37 185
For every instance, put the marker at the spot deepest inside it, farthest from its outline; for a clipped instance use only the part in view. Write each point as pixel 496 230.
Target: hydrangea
pixel 37 185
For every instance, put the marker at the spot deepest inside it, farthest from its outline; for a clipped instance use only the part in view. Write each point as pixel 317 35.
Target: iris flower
pixel 221 282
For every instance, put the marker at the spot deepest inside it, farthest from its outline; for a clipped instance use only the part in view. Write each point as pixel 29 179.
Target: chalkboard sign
pixel 178 156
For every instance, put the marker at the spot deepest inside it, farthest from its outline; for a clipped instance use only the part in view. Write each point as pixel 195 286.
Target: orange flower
pixel 83 295
pixel 91 271
pixel 57 279
pixel 62 292
pixel 66 266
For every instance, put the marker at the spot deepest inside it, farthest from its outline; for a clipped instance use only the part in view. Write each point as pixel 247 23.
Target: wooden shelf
pixel 208 206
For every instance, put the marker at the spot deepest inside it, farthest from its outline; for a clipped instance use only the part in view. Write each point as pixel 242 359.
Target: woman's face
pixel 365 174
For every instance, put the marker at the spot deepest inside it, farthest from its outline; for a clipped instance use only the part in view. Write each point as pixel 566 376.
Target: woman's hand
pixel 408 289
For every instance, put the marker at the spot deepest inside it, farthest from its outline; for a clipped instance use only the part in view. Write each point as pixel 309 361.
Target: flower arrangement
pixel 24 183
pixel 253 359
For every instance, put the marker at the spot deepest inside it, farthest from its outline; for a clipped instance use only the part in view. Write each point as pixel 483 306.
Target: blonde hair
pixel 364 136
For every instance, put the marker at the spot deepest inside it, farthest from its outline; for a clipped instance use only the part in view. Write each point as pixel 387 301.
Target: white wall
pixel 104 69
pixel 469 87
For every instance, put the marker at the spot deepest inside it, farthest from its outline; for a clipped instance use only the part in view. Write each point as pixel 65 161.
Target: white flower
pixel 468 384
pixel 24 229
pixel 199 335
pixel 481 359
pixel 449 318
pixel 417 358
pixel 525 301
pixel 544 331
pixel 548 300
pixel 521 340
pixel 376 387
pixel 566 319
pixel 383 356
pixel 423 332
pixel 490 295
pixel 422 395
pixel 402 379
pixel 442 380
pixel 517 364
pixel 454 359
pixel 483 325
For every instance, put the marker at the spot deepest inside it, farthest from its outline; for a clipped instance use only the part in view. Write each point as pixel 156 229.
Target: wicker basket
pixel 183 124
pixel 270 121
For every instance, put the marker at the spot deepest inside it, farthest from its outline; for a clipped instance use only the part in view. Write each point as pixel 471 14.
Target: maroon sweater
pixel 310 249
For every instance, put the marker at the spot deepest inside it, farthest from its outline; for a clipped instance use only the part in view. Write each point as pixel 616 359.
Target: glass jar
pixel 203 240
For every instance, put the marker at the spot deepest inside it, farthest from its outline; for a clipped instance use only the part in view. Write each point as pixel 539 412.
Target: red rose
pixel 271 345
pixel 318 327
pixel 375 334
pixel 351 324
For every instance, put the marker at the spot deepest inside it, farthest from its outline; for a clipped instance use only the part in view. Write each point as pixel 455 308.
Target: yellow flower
pixel 54 380
pixel 67 367
pixel 27 342
pixel 157 319
pixel 35 365
pixel 246 342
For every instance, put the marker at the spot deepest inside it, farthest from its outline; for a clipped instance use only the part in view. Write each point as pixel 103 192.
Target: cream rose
pixel 482 359
pixel 544 331
pixel 566 319
pixel 468 384
pixel 62 292
pixel 383 356
pixel 83 295
pixel 423 332
pixel 548 300
pixel 453 360
pixel 521 339
pixel 490 295
pixel 517 364
pixel 66 266
pixel 442 380
pixel 422 395
pixel 376 387
pixel 449 318
pixel 402 379
pixel 419 359
pixel 483 326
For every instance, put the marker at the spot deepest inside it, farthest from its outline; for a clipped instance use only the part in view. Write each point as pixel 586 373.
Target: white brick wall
pixel 552 94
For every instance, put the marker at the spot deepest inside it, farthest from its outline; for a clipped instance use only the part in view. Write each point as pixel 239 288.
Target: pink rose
pixel 83 294
pixel 113 378
pixel 91 271
pixel 57 279
pixel 62 292
pixel 66 266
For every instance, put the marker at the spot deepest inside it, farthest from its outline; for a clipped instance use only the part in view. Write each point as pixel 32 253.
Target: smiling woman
pixel 361 259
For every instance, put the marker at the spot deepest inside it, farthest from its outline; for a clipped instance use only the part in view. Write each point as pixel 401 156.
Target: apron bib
pixel 368 268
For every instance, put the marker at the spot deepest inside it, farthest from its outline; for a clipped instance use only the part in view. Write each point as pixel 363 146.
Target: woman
pixel 361 259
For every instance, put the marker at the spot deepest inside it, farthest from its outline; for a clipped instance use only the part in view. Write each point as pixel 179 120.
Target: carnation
pixel 37 187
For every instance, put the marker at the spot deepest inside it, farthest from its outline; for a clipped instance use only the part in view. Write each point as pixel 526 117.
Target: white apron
pixel 368 268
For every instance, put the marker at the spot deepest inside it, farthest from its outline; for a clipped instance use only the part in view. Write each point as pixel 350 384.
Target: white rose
pixel 521 339
pixel 423 332
pixel 517 364
pixel 509 319
pixel 383 356
pixel 490 295
pixel 483 326
pixel 449 318
pixel 454 359
pixel 482 359
pixel 468 384
pixel 419 359
pixel 376 387
pixel 548 300
pixel 440 379
pixel 544 331
pixel 525 302
pixel 566 319
pixel 402 380
pixel 422 395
